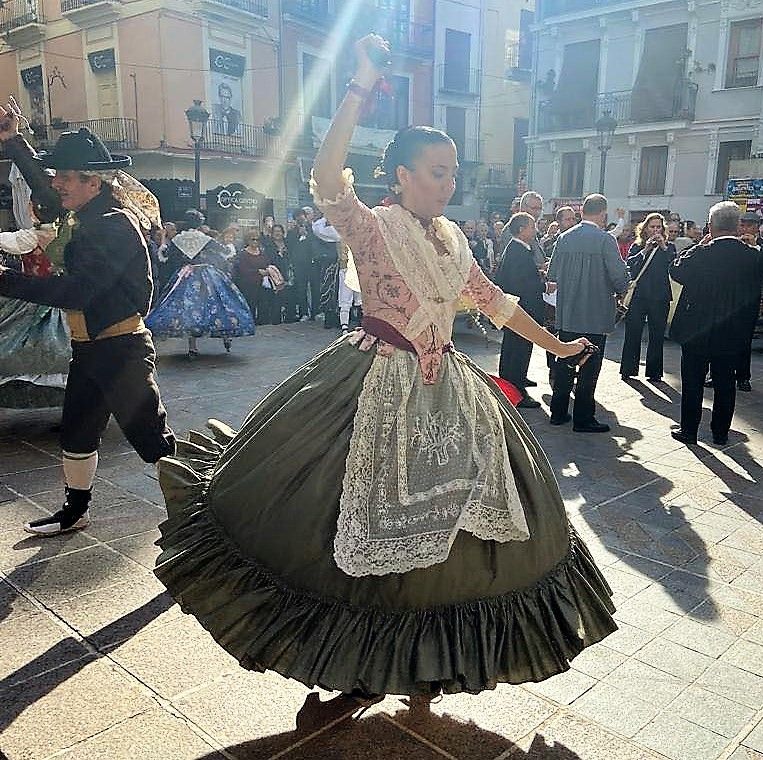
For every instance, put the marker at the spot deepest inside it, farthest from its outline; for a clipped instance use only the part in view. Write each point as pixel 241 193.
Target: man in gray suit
pixel 588 271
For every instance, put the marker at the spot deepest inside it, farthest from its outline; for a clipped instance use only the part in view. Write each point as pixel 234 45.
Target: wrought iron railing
pixel 405 36
pixel 628 107
pixel 546 8
pixel 311 10
pixel 116 133
pixel 73 5
pixel 18 13
pixel 255 7
pixel 457 79
pixel 244 140
pixel 498 175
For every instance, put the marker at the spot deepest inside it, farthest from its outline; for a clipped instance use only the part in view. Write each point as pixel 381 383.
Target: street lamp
pixel 197 117
pixel 605 129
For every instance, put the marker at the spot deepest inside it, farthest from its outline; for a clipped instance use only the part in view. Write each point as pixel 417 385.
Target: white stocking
pixel 79 470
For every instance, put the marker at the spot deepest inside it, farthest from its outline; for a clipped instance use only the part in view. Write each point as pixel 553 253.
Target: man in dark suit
pixel 749 224
pixel 721 278
pixel 588 271
pixel 518 275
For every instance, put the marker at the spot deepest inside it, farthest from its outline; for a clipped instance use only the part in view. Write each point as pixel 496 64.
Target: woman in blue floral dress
pixel 200 300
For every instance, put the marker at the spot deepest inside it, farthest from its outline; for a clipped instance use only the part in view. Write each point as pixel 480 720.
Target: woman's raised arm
pixel 331 156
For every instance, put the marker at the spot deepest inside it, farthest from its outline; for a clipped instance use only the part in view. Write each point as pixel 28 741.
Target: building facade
pixel 682 78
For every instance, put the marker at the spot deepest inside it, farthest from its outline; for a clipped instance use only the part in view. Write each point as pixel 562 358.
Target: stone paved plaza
pixel 97 663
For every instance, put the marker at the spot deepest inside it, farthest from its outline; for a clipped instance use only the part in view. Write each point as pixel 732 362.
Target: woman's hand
pixel 370 51
pixel 574 347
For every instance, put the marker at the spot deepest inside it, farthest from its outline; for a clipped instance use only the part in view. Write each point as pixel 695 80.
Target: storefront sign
pixel 229 64
pixel 32 78
pixel 102 60
pixel 238 199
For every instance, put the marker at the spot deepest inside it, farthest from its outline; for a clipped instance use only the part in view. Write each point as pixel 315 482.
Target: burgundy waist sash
pixel 386 332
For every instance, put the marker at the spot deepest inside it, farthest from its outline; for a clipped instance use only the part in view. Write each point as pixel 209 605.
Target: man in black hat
pixel 105 291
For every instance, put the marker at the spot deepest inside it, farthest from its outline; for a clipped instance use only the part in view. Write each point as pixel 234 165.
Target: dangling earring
pixel 396 188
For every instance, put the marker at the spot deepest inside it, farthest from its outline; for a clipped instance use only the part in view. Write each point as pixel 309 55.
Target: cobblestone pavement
pixel 96 662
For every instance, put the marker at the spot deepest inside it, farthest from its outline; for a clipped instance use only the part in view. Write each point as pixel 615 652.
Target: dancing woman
pixel 416 542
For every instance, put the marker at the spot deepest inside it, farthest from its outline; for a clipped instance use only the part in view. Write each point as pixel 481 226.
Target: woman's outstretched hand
pixel 371 51
pixel 574 347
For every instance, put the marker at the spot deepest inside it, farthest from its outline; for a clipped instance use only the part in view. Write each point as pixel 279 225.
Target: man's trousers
pixel 115 376
pixel 693 371
pixel 584 410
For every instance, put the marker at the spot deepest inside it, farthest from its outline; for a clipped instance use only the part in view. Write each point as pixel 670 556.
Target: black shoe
pixel 682 437
pixel 529 383
pixel 560 420
pixel 744 385
pixel 655 380
pixel 591 427
pixel 625 378
pixel 709 383
pixel 720 440
pixel 72 516
pixel 528 403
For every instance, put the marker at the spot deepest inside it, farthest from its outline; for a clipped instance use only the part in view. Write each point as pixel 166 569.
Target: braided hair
pixel 405 148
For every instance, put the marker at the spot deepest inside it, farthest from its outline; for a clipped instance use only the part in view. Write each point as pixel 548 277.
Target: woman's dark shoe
pixel 682 437
pixel 625 378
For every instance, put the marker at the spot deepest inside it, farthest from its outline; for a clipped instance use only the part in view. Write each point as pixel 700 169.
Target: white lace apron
pixel 425 460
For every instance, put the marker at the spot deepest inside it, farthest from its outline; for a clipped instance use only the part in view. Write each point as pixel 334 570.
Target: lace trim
pixel 425 461
pixel 348 188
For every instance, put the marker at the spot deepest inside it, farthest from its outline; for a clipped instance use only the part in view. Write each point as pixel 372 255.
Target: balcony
pixel 407 37
pixel 468 150
pixel 547 8
pixel 519 61
pixel 116 133
pixel 457 80
pixel 89 12
pixel 22 22
pixel 246 12
pixel 311 11
pixel 249 140
pixel 498 175
pixel 628 107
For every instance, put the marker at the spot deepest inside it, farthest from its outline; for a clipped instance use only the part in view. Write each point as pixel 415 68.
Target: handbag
pixel 625 302
pixel 276 278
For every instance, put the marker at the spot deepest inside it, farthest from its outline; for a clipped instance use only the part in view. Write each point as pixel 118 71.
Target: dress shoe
pixel 594 426
pixel 744 385
pixel 720 440
pixel 626 377
pixel 682 437
pixel 529 383
pixel 709 382
pixel 655 379
pixel 528 403
pixel 561 420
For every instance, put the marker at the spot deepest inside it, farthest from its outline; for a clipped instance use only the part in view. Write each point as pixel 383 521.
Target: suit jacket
pixel 538 254
pixel 654 285
pixel 721 294
pixel 518 275
pixel 588 270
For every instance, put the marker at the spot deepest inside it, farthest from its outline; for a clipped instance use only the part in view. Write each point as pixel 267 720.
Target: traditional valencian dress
pixel 34 339
pixel 385 520
pixel 199 300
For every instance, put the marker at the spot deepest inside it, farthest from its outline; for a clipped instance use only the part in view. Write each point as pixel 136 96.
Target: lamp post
pixel 197 117
pixel 605 129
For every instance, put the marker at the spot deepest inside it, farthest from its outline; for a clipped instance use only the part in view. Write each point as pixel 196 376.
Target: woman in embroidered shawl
pixel 417 542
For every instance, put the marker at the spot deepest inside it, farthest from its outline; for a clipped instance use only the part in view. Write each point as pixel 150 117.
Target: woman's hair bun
pixel 405 148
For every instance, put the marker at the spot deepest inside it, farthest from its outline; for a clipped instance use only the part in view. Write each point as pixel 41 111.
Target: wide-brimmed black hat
pixel 82 151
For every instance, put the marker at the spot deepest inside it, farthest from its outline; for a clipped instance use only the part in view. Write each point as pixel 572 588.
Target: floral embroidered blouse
pixel 405 280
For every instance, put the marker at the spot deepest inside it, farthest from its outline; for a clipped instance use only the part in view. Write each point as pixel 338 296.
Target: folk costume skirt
pixel 34 355
pixel 199 302
pixel 248 550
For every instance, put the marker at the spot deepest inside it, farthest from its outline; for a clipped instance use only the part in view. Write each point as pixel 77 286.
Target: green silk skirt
pixel 248 550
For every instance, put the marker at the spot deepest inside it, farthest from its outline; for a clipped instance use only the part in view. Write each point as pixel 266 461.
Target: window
pixel 316 86
pixel 728 152
pixel 654 166
pixel 521 129
pixel 457 57
pixel 390 111
pixel 573 169
pixel 744 54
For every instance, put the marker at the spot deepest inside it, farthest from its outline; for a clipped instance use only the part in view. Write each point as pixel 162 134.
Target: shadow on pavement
pixel 331 731
pixel 44 673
